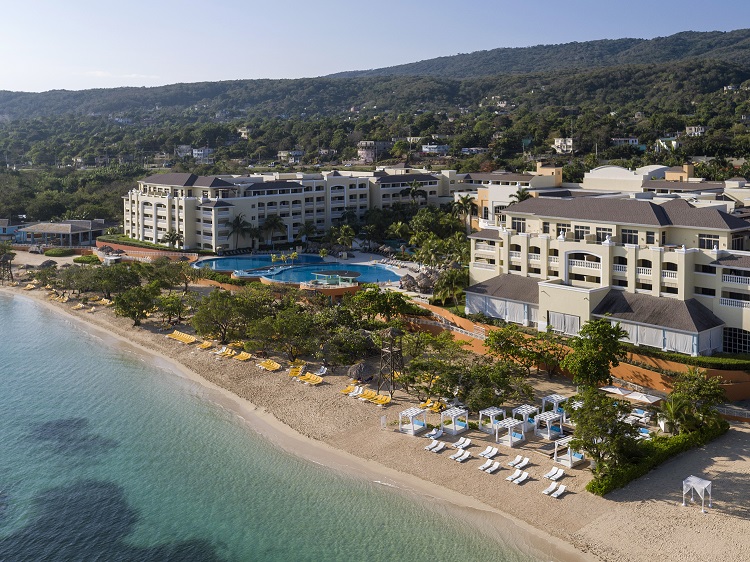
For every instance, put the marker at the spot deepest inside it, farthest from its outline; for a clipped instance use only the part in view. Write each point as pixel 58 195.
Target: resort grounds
pixel 645 520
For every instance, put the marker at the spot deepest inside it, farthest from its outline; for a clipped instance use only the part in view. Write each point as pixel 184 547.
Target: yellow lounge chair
pixel 347 389
pixel 426 404
pixel 298 363
pixel 243 356
pixel 437 407
pixel 237 345
pixel 92 309
pixel 79 306
pixel 382 401
pixel 295 371
pixel 270 365
pixel 367 395
pixel 206 345
pixel 29 287
pixel 309 378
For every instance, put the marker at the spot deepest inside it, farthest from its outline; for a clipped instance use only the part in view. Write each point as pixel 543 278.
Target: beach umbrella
pixel 356 371
pixel 641 397
pixel 616 390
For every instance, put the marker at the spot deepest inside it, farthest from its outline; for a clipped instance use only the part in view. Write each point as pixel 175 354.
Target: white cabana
pixel 641 397
pixel 457 425
pixel 544 425
pixel 555 400
pixel 492 414
pixel 694 484
pixel 525 411
pixel 513 426
pixel 412 421
pixel 565 455
pixel 615 390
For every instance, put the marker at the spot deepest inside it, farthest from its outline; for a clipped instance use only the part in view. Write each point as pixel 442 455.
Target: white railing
pixel 585 264
pixel 738 279
pixel 620 267
pixel 734 303
pixel 535 257
pixel 484 247
pixel 480 265
pixel 553 259
pixel 516 255
pixel 669 275
pixel 643 271
pixel 484 223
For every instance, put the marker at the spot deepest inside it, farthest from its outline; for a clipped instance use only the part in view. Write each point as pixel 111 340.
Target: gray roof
pixel 509 286
pixel 676 212
pixel 683 185
pixel 186 180
pixel 685 316
pixel 217 203
pixel 275 184
pixel 498 176
pixel 732 260
pixel 66 227
pixel 486 234
pixel 404 178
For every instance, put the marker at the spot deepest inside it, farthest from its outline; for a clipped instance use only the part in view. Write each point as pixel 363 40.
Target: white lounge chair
pixel 486 451
pixel 549 489
pixel 493 453
pixel 521 479
pixel 515 461
pixel 513 476
pixel 551 473
pixel 467 442
pixel 322 371
pixel 440 447
pixel 494 468
pixel 457 454
pixel 433 433
pixel 523 463
pixel 486 465
pixel 556 477
pixel 466 456
pixel 460 443
pixel 560 491
pixel 432 445
pixel 357 391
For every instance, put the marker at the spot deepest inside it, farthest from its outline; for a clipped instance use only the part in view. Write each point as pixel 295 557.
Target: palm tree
pixel 172 237
pixel 293 256
pixel 676 412
pixel 414 191
pixel 521 195
pixel 368 233
pixel 239 227
pixel 465 207
pixel 450 283
pixel 323 253
pixel 273 224
pixel 306 231
pixel 346 236
pixel 399 230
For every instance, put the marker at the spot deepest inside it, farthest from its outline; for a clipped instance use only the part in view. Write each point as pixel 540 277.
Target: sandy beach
pixel 646 519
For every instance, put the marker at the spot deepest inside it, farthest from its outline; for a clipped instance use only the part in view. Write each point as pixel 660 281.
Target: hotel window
pixel 629 236
pixel 563 228
pixel 581 232
pixel 708 241
pixel 545 228
pixel 519 225
pixel 650 237
pixel 602 233
pixel 699 268
pixel 738 241
pixel 705 291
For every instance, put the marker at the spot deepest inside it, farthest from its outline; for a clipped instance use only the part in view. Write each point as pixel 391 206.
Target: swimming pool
pixel 304 273
pixel 252 262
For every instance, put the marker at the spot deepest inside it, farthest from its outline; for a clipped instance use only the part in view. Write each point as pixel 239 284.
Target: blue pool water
pixel 252 262
pixel 106 456
pixel 367 273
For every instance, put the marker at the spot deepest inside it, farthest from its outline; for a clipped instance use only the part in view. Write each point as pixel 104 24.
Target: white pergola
pixel 457 425
pixel 525 411
pixel 569 458
pixel 694 484
pixel 555 400
pixel 492 414
pixel 513 437
pixel 414 424
pixel 548 419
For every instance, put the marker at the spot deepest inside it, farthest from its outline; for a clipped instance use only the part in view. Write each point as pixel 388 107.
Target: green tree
pixel 272 225
pixel 240 228
pixel 136 302
pixel 115 279
pixel 414 191
pixel 346 236
pixel 464 207
pixel 171 307
pixel 510 344
pixel 217 316
pixel 451 282
pixel 594 349
pixel 399 230
pixel 172 238
pixel 307 231
pixel 522 194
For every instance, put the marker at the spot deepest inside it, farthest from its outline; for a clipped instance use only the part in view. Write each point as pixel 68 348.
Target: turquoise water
pixel 251 262
pixel 104 456
pixel 367 273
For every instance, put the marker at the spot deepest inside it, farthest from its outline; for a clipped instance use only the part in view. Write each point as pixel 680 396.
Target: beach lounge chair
pixel 487 450
pixel 79 306
pixel 357 391
pixel 295 371
pixel 560 491
pixel 432 433
pixel 243 356
pixel 299 363
pixel 432 445
pixel 549 489
pixel 466 456
pixel 551 472
pixel 322 371
pixel 426 404
pixel 521 479
pixel 556 477
pixel 439 448
pixel 457 454
pixel 367 394
pixel 206 345
pixel 513 476
pixel 382 401
pixel 347 389
pixel 309 378
pixel 494 468
pixel 515 461
pixel 486 465
pixel 492 454
pixel 523 463
pixel 220 351
pixel 459 444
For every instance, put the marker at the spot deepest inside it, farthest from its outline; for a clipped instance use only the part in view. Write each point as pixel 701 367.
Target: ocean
pixel 105 456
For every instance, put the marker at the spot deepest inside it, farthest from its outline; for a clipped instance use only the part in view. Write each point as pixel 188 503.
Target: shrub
pixel 656 451
pixel 90 259
pixel 207 273
pixel 59 252
pixel 719 361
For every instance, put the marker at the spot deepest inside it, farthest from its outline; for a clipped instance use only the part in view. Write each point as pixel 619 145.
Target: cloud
pixel 107 74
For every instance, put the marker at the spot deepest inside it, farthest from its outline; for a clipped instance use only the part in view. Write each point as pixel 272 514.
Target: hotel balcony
pixel 535 257
pixel 734 303
pixel 619 268
pixel 736 279
pixel 479 247
pixel 585 264
pixel 481 265
pixel 669 275
pixel 643 271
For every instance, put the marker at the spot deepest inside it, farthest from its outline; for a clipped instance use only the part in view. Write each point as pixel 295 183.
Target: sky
pixel 82 44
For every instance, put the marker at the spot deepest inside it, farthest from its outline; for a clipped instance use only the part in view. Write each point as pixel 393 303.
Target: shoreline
pixel 579 526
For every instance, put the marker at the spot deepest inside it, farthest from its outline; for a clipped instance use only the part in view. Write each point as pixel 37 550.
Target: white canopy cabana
pixel 555 400
pixel 615 390
pixel 565 455
pixel 513 426
pixel 547 420
pixel 492 414
pixel 457 425
pixel 525 411
pixel 694 484
pixel 641 397
pixel 414 424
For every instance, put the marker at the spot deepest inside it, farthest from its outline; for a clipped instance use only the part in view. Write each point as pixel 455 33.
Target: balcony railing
pixel 480 265
pixel 737 279
pixel 669 275
pixel 484 247
pixel 646 271
pixel 619 268
pixel 515 255
pixel 553 259
pixel 585 264
pixel 734 303
pixel 535 257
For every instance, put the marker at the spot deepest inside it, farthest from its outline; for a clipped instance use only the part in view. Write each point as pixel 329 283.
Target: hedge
pixel 90 259
pixel 127 241
pixel 59 252
pixel 657 450
pixel 719 361
pixel 207 273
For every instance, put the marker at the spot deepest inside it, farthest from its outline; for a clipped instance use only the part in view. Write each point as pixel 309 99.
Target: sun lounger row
pixel 555 474
pixel 366 395
pixel 490 452
pixel 310 378
pixel 461 455
pixel 225 352
pixel 462 443
pixel 182 337
pixel 550 491
pixel 518 477
pixel 519 462
pixel 434 433
pixel 269 365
